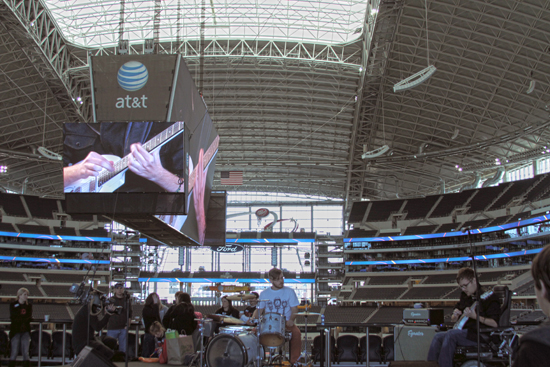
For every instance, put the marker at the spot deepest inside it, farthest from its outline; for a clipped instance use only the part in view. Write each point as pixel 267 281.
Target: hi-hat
pixel 307 313
pixel 241 297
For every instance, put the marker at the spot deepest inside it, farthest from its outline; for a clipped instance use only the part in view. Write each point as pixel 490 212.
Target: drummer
pixel 227 308
pixel 249 310
pixel 282 300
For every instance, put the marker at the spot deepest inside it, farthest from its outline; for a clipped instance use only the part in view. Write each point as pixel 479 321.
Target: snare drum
pixel 232 350
pixel 236 330
pixel 272 329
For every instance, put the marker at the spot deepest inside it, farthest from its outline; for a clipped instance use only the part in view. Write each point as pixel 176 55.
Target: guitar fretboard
pixel 152 144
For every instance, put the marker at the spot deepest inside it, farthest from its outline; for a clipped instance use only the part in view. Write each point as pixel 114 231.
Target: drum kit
pixel 241 345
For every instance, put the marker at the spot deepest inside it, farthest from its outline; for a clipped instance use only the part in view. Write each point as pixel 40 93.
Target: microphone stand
pixel 127 305
pixel 478 294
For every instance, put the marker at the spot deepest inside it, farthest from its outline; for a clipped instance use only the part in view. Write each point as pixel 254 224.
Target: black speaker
pixel 91 358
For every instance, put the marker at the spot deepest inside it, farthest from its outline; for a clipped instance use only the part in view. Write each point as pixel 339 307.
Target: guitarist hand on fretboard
pixel 470 313
pixel 90 166
pixel 149 166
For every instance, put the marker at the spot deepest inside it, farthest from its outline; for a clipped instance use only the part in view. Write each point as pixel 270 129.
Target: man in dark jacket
pixel 84 332
pixel 118 323
pixel 444 344
pixel 534 347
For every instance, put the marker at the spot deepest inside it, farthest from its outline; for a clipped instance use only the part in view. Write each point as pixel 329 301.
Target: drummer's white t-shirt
pixel 280 301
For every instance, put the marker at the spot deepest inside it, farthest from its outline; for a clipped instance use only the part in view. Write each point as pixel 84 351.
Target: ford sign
pixel 229 248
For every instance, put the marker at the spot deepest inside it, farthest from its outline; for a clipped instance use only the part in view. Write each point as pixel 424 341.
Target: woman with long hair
pixel 150 314
pixel 20 327
pixel 227 308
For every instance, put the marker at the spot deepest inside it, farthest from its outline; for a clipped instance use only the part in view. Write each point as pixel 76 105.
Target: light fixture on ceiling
pixel 376 152
pixel 455 133
pixel 422 75
pixel 415 79
pixel 531 88
pixel 45 152
pixel 532 84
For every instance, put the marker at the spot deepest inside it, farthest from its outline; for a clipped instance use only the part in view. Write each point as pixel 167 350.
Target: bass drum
pixel 226 350
pixel 472 363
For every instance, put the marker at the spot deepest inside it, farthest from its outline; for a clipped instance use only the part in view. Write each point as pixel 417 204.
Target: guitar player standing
pixel 444 343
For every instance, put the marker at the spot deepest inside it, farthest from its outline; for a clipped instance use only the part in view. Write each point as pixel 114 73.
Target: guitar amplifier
pixel 423 316
pixel 412 343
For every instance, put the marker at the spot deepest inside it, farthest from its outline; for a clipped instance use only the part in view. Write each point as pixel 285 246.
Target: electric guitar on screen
pixel 463 319
pixel 110 181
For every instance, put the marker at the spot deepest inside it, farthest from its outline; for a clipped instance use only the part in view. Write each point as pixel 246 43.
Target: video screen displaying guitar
pixel 144 157
pixel 123 157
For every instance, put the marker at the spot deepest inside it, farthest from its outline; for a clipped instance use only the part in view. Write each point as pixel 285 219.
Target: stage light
pixel 415 79
pixel 376 152
pixel 49 154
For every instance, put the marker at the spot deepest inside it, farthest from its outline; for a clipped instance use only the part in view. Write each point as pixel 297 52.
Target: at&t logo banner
pixel 132 87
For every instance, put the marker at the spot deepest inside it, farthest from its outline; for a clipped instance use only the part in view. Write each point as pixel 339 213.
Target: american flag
pixel 231 178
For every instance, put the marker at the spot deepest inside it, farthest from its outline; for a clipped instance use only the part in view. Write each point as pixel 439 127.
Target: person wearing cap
pixel 118 323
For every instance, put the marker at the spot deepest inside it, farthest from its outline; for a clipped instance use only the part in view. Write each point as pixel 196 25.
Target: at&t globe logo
pixel 132 76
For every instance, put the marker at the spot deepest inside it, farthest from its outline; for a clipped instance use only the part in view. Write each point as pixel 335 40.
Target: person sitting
pixel 227 308
pixel 84 332
pixel 158 331
pixel 249 310
pixel 444 344
pixel 533 349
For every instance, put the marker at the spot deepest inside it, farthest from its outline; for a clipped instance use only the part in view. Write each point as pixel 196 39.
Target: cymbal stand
pixel 259 348
pixel 304 353
pixel 201 329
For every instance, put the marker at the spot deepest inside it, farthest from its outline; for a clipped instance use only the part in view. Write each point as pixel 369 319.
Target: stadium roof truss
pixel 299 91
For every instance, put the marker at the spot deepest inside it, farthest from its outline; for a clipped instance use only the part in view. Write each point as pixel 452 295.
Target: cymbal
pixel 241 297
pixel 232 320
pixel 307 313
pixel 215 317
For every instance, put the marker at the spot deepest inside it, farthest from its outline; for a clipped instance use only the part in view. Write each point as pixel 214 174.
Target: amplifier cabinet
pixel 411 343
pixel 423 316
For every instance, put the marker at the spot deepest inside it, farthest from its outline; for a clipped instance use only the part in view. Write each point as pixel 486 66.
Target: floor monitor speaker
pixel 90 358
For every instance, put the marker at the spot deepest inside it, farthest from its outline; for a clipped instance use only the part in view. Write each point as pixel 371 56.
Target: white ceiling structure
pixel 299 90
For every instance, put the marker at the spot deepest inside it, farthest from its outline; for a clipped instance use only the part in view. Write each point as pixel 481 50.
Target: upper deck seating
pixel 449 202
pixel 398 279
pixel 447 227
pixel 347 314
pixel 41 208
pixel 358 210
pixel 378 293
pixel 420 229
pixel 381 210
pixel 420 207
pixel 358 233
pixel 518 188
pixel 12 205
pixel 485 196
pixel 427 292
pixel 26 228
